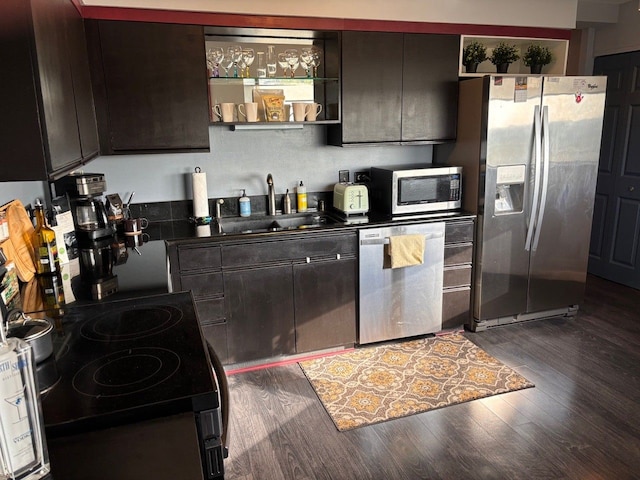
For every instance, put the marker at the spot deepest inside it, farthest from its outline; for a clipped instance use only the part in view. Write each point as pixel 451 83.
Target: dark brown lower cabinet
pixel 260 313
pixel 216 335
pixel 325 304
pixel 455 307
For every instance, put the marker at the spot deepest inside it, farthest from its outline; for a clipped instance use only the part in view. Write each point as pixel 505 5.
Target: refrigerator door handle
pixel 536 182
pixel 545 175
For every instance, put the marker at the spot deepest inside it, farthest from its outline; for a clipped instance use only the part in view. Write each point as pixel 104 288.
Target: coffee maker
pixel 84 191
pixel 94 232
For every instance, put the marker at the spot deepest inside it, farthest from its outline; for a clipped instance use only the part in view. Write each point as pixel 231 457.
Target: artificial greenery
pixel 537 55
pixel 504 53
pixel 475 52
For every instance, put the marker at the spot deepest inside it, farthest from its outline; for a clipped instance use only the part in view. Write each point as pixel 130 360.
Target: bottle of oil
pixel 44 244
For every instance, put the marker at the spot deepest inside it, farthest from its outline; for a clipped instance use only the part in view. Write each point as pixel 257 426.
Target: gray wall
pixel 237 160
pixel 26 192
pixel 242 159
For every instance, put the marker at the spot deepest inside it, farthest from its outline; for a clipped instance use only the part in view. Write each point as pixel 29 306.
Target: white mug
pixel 313 112
pixel 225 111
pixel 300 111
pixel 249 111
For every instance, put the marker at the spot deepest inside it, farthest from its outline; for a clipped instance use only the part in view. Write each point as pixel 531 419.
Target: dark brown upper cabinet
pixel 48 117
pixel 150 86
pixel 397 89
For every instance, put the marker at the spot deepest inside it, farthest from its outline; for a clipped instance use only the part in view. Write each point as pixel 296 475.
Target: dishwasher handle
pixel 385 240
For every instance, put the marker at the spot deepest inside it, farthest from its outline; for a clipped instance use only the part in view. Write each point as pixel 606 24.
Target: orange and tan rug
pixel 374 384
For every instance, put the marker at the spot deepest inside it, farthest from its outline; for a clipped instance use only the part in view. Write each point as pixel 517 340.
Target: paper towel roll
pixel 200 196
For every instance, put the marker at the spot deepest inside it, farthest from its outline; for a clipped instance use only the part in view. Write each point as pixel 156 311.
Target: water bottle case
pixel 23 448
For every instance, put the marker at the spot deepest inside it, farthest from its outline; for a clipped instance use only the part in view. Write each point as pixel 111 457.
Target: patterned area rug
pixel 374 384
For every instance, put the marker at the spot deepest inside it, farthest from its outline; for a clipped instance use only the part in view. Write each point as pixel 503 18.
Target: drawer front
pixel 216 335
pixel 203 285
pixel 288 250
pixel 456 307
pixel 211 310
pixel 458 254
pixel 199 258
pixel 458 276
pixel 458 232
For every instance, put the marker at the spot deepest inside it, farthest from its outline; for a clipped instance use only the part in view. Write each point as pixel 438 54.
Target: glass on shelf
pixel 262 67
pixel 214 57
pixel 293 59
pixel 248 56
pixel 271 61
pixel 283 63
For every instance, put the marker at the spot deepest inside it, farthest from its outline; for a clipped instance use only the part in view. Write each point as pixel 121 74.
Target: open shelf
pixel 558 65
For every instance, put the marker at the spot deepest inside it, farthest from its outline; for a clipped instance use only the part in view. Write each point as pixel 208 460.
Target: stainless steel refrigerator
pixel 529 147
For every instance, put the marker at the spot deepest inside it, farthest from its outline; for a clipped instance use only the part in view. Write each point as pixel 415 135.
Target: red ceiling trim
pixel 311 23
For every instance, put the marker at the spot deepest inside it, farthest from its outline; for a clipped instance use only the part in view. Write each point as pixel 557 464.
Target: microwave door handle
pixel 545 176
pixel 536 179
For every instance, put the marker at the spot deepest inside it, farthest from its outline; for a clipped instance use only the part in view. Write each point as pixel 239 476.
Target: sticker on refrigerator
pixel 520 92
pixel 511 174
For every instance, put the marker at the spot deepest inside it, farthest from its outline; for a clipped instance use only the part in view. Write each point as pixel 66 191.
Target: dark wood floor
pixel 581 421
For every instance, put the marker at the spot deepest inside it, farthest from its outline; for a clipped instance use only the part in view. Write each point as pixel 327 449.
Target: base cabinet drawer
pixel 211 310
pixel 199 258
pixel 216 335
pixel 458 232
pixel 457 276
pixel 458 254
pixel 456 304
pixel 206 284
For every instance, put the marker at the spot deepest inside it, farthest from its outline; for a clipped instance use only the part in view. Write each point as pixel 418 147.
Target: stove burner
pixel 131 323
pixel 126 372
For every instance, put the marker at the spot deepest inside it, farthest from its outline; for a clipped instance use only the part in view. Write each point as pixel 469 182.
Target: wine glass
pixel 248 56
pixel 293 59
pixel 226 63
pixel 214 57
pixel 284 63
pixel 306 59
pixel 234 52
pixel 316 55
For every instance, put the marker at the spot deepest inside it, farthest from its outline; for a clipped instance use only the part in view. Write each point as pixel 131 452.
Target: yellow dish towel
pixel 406 250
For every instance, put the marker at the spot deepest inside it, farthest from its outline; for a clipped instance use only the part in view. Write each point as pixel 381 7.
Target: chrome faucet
pixel 271 208
pixel 219 202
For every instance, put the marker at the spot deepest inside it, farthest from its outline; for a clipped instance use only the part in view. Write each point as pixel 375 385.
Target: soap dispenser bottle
pixel 245 205
pixel 301 192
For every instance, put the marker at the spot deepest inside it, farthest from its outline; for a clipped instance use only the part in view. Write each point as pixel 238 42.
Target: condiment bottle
pixel 44 244
pixel 287 203
pixel 245 205
pixel 301 192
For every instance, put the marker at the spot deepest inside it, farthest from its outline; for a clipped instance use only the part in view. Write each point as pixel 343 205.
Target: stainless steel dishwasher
pixel 400 302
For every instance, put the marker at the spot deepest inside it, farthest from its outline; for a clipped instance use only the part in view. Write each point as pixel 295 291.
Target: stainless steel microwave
pixel 416 188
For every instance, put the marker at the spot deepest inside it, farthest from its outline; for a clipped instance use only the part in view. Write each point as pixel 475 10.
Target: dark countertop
pixel 144 271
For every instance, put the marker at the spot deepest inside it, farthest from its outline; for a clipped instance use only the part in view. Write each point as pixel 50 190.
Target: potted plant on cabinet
pixel 537 57
pixel 472 55
pixel 503 55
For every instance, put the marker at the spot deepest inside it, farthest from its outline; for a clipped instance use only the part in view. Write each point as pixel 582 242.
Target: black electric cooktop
pixel 126 361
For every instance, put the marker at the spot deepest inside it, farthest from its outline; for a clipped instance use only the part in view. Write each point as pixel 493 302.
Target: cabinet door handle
pixel 308 260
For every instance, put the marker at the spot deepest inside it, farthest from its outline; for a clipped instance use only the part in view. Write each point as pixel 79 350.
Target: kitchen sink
pixel 274 223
